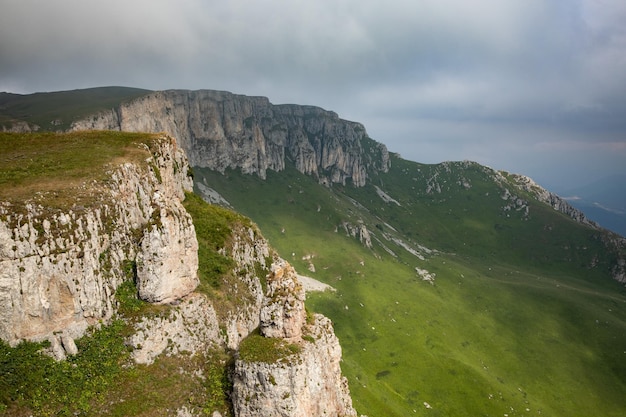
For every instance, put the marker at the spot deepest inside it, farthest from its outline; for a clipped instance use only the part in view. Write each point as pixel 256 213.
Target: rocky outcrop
pixel 191 326
pixel 283 314
pixel 221 130
pixel 308 382
pixel 251 255
pixel 541 194
pixel 358 231
pixel 60 267
pixel 19 126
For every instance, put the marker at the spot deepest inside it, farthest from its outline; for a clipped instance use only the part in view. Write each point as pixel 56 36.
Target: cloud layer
pixel 531 86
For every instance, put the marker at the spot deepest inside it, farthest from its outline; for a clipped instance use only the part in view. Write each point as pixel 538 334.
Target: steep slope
pixel 458 292
pixel 142 291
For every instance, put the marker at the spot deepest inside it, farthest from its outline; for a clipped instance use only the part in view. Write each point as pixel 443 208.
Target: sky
pixel 536 87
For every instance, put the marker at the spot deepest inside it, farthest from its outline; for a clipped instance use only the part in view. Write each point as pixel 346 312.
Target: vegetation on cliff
pixel 457 292
pixel 56 167
pixel 65 171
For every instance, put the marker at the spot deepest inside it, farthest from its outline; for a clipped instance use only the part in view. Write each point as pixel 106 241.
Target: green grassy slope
pixel 56 111
pixel 523 318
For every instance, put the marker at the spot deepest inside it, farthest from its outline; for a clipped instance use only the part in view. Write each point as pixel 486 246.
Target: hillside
pixel 453 296
pixel 122 293
pixel 460 290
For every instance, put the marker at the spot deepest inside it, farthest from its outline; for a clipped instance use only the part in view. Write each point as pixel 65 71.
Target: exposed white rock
pixel 191 327
pixel 426 275
pixel 59 268
pixel 358 231
pixel 305 384
pixel 211 196
pixel 283 314
pixel 220 130
pixel 167 265
pixel 311 284
pixel 385 197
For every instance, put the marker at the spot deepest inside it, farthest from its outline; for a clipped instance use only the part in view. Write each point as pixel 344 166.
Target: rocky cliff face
pixel 220 130
pixel 553 200
pixel 59 269
pixel 305 383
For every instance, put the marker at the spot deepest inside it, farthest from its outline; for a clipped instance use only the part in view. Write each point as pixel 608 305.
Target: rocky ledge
pixel 306 380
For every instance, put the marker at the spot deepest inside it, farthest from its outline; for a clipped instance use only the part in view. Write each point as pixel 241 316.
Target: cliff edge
pixel 62 261
pixel 221 130
pixel 202 278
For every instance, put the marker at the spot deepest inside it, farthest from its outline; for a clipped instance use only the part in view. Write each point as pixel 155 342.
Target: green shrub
pixel 257 348
pixel 129 303
pixel 214 227
pixel 32 380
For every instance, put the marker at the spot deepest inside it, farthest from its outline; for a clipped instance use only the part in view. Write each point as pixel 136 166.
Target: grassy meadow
pixel 52 163
pixel 522 318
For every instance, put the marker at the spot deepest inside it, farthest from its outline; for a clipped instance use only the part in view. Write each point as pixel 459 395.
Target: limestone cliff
pixel 306 381
pixel 60 267
pixel 220 130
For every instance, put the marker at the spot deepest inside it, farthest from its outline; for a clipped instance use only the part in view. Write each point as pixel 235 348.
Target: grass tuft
pixel 257 348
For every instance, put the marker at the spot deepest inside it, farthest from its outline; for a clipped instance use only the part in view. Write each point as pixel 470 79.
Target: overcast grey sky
pixel 536 87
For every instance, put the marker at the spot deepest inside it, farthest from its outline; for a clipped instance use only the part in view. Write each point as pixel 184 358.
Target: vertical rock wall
pixel 59 268
pixel 306 383
pixel 220 130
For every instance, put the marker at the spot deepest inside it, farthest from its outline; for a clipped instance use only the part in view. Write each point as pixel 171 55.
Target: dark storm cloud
pixel 516 84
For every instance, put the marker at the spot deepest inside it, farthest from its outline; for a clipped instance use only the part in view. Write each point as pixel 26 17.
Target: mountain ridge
pixel 460 290
pixel 222 130
pixel 132 113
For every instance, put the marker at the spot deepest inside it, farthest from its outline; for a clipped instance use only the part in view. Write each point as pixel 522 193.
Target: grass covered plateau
pixel 52 164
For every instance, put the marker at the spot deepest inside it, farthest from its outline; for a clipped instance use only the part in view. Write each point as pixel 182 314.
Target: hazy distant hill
pixel 603 201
